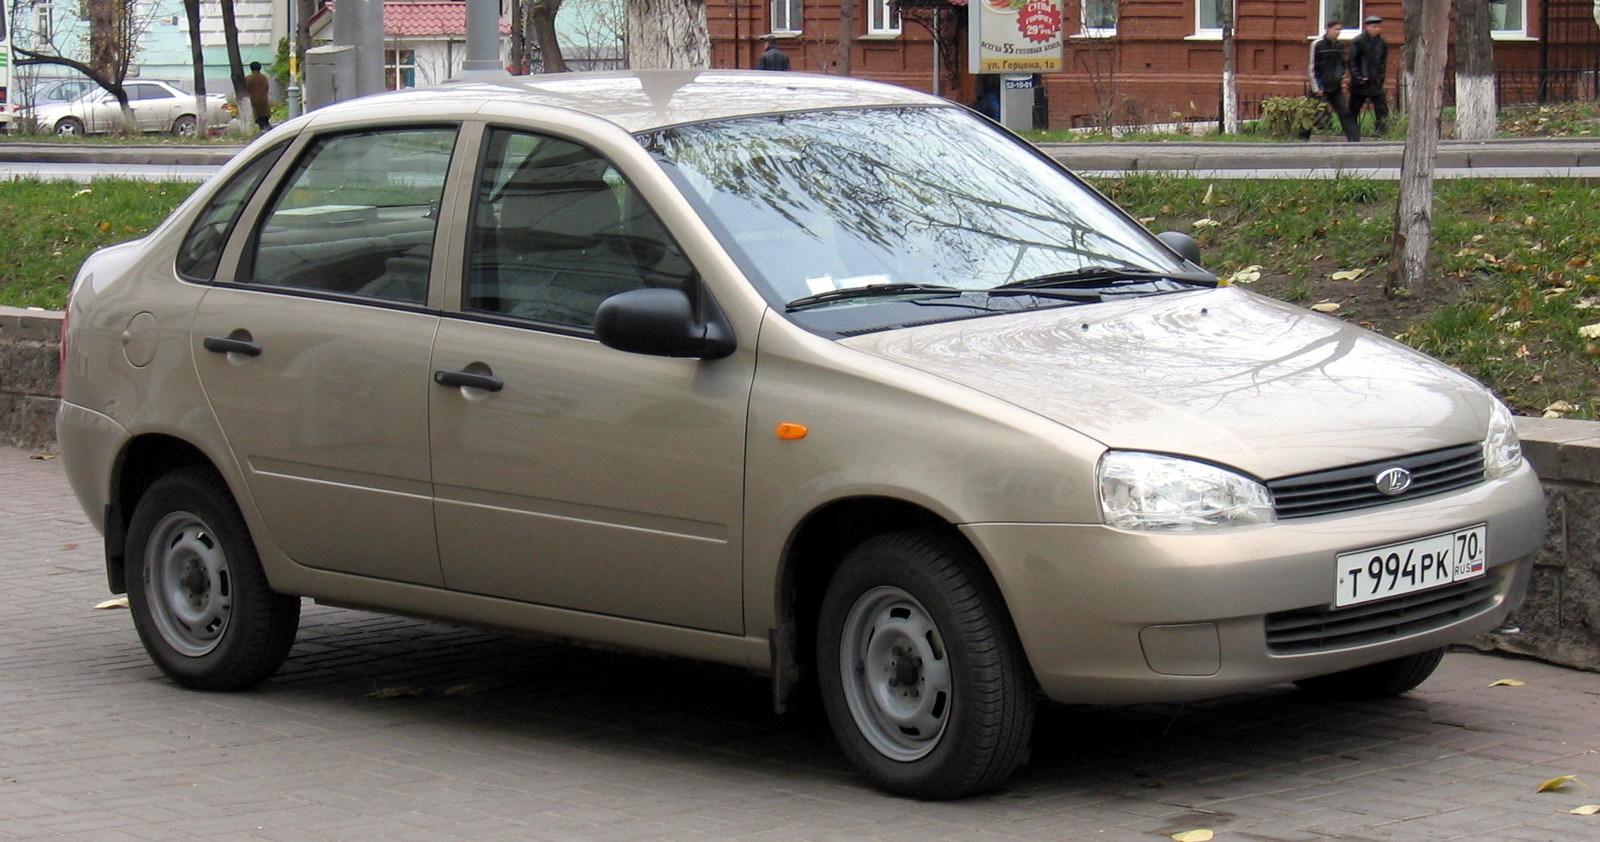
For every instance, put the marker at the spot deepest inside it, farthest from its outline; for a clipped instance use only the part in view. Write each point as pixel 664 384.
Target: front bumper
pixel 1108 616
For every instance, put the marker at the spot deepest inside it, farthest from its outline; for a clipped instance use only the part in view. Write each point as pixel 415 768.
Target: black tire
pixel 69 127
pixel 185 126
pixel 1375 681
pixel 199 598
pixel 935 699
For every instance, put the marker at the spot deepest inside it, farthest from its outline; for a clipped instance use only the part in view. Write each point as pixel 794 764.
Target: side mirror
pixel 660 322
pixel 1183 244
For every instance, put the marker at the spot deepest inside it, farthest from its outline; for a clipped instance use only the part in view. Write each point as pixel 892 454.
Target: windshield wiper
pixel 869 291
pixel 1103 276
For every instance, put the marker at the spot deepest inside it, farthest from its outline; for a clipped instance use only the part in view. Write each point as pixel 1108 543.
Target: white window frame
pixel 392 63
pixel 1518 33
pixel 1208 33
pixel 1351 30
pixel 43 22
pixel 1087 31
pixel 786 12
pixel 882 18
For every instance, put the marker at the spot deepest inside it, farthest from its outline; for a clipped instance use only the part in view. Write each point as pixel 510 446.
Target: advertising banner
pixel 1015 36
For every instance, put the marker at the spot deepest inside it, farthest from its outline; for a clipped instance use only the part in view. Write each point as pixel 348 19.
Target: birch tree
pixel 1427 31
pixel 1230 66
pixel 668 34
pixel 197 57
pixel 1476 107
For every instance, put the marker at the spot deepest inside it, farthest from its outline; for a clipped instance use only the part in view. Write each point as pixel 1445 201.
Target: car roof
pixel 650 99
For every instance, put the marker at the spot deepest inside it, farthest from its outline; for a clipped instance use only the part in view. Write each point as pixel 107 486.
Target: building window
pixel 1509 17
pixel 883 18
pixel 1208 17
pixel 1099 18
pixel 43 22
pixel 399 69
pixel 1347 12
pixel 787 16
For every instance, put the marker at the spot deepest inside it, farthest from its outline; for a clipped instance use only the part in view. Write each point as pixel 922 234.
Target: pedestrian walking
pixel 1369 64
pixel 256 86
pixel 772 58
pixel 1327 77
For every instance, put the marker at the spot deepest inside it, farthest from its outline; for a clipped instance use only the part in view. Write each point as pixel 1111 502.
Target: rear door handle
pixel 229 345
pixel 486 382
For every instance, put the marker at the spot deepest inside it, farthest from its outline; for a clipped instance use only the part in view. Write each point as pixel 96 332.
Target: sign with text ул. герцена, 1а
pixel 1015 36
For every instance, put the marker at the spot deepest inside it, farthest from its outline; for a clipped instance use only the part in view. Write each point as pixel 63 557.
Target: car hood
pixel 1222 375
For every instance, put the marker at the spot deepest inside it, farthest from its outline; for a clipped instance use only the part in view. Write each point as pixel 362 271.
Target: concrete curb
pixel 1203 155
pixel 73 153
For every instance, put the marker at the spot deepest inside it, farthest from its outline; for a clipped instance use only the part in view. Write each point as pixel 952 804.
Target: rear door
pixel 315 352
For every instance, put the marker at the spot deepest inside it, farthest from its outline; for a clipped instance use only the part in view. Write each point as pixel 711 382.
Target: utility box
pixel 330 75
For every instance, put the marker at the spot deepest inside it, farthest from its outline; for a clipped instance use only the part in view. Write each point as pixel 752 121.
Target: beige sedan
pixel 830 380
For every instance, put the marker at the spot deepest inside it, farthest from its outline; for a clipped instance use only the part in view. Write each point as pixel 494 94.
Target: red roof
pixel 401 19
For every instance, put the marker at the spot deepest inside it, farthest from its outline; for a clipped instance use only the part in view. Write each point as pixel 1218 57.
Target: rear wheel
pixel 199 598
pixel 1375 681
pixel 185 126
pixel 69 127
pixel 923 679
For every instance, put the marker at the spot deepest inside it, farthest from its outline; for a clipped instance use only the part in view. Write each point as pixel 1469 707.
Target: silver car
pixel 157 107
pixel 826 379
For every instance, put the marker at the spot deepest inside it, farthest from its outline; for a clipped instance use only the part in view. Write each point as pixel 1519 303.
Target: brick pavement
pixel 542 742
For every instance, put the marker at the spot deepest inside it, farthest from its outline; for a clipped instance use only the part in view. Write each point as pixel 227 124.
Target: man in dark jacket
pixel 1369 63
pixel 773 58
pixel 1327 77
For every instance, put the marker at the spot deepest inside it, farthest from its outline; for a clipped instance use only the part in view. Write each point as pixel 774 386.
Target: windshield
pixel 916 203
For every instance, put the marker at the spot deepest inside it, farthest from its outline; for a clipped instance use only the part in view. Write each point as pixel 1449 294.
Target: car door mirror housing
pixel 661 322
pixel 1185 245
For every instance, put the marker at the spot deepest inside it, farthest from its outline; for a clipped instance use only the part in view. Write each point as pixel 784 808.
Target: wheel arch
pixel 143 461
pixel 818 544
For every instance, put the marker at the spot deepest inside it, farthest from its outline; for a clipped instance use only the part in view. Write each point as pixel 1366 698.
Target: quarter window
pixel 202 246
pixel 557 230
pixel 357 216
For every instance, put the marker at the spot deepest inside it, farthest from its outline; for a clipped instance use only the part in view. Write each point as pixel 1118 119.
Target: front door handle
pixel 230 345
pixel 486 382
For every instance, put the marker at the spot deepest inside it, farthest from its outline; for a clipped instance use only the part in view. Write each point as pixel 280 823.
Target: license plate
pixel 1396 569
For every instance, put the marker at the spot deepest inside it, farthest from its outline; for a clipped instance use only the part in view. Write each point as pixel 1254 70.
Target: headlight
pixel 1502 450
pixel 1148 491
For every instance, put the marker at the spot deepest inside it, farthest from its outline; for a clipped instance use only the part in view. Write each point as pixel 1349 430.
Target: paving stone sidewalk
pixel 512 739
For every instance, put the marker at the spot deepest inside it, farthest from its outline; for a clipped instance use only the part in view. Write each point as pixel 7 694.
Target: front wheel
pixel 923 680
pixel 1375 681
pixel 199 598
pixel 69 127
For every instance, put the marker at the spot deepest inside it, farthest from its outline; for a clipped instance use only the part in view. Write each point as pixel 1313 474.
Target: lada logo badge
pixel 1393 481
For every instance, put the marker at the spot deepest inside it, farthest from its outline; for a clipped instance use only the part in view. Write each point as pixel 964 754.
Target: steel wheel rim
pixel 896 674
pixel 188 584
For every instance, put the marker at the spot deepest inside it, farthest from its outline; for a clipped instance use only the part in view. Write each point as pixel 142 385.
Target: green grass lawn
pixel 1514 280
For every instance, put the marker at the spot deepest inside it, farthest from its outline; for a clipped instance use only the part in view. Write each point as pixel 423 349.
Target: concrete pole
pixel 483 42
pixel 293 93
pixel 368 40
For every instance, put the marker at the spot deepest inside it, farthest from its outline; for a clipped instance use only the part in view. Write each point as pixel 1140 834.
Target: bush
pixel 1291 116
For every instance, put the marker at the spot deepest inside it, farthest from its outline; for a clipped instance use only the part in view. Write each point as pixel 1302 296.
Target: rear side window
pixel 357 216
pixel 202 247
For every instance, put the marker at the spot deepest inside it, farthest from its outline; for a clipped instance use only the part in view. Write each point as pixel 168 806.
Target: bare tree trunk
pixel 1476 107
pixel 542 20
pixel 1230 65
pixel 1427 34
pixel 519 38
pixel 668 34
pixel 230 34
pixel 109 50
pixel 197 55
pixel 847 36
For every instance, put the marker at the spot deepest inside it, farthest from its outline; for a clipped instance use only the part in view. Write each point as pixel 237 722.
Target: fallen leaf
pixel 1201 835
pixel 43 457
pixel 1523 352
pixel 105 226
pixel 1326 307
pixel 69 546
pixel 1509 682
pixel 1206 223
pixel 1558 784
pixel 471 689
pixel 1247 275
pixel 1586 810
pixel 1206 199
pixel 119 602
pixel 1560 406
pixel 1348 274
pixel 395 692
pixel 1590 331
pixel 84 192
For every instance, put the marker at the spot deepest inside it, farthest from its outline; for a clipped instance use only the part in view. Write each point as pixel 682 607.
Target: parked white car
pixel 157 107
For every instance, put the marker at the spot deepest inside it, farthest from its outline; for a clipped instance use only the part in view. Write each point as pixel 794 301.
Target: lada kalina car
pixel 830 380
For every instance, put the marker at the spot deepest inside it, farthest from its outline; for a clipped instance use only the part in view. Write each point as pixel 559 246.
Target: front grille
pixel 1344 489
pixel 1321 629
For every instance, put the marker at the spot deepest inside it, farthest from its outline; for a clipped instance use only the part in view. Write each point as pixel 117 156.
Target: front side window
pixel 829 203
pixel 787 16
pixel 883 18
pixel 202 246
pixel 357 216
pixel 556 230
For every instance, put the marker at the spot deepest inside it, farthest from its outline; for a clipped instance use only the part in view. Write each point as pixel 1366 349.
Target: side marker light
pixel 792 432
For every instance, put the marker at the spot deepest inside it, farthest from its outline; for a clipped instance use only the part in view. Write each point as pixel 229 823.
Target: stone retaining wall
pixel 1559 623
